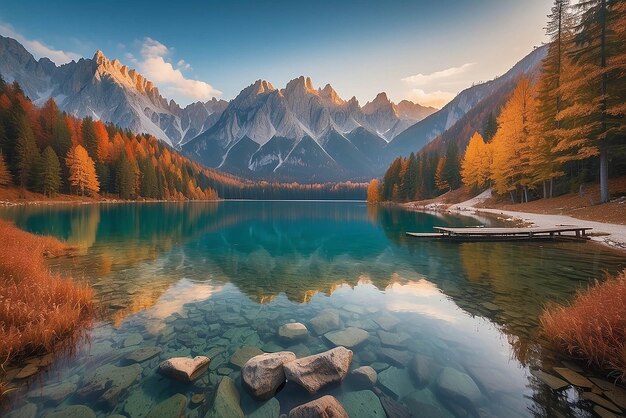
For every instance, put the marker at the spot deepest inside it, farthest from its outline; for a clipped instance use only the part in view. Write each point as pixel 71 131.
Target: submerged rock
pixel 318 370
pixel 132 339
pixel 242 355
pixel 393 339
pixel 386 321
pixel 143 354
pixel 324 407
pixel 28 410
pixel 185 369
pixel 422 368
pixel 395 357
pixel 72 411
pixel 396 382
pixel 364 376
pixel 574 378
pixel 55 393
pixel 269 409
pixel 263 374
pixel 109 381
pixel 293 331
pixel 349 337
pixel 362 404
pixel 458 386
pixel 226 403
pixel 325 321
pixel 172 407
pixel 554 382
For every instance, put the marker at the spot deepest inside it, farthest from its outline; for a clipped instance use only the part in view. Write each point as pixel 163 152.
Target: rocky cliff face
pixel 108 90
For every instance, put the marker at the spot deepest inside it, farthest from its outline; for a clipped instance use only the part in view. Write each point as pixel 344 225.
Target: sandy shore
pixel 616 237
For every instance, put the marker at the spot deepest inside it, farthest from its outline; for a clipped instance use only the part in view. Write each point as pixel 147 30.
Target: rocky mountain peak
pixel 99 57
pixel 300 86
pixel 330 96
pixel 380 103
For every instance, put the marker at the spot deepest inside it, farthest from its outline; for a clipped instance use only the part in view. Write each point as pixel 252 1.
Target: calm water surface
pixel 210 278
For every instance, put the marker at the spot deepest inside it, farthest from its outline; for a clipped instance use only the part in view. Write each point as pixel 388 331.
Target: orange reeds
pixel 593 326
pixel 38 309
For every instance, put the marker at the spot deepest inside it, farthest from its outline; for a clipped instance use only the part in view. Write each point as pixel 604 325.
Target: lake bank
pixel 609 234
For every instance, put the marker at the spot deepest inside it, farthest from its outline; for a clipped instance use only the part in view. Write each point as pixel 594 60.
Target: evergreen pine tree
pixel 125 177
pixel 90 140
pixel 26 152
pixel 49 173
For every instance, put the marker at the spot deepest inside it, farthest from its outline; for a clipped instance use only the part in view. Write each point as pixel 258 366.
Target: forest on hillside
pixel 557 130
pixel 48 151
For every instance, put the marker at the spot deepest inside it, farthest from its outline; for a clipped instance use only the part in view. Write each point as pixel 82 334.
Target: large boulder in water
pixel 349 337
pixel 185 369
pixel 293 331
pixel 324 407
pixel 325 321
pixel 263 374
pixel 318 370
pixel 459 387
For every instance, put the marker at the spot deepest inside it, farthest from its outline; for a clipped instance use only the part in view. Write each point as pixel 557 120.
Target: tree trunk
pixel 512 196
pixel 551 187
pixel 526 194
pixel 545 191
pixel 604 174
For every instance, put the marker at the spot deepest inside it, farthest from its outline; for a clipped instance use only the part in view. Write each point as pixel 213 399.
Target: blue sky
pixel 426 51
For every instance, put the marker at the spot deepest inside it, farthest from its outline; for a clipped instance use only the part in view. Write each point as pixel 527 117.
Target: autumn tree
pixel 82 171
pixel 5 174
pixel 49 172
pixel 594 89
pixel 476 164
pixel 373 192
pixel 512 168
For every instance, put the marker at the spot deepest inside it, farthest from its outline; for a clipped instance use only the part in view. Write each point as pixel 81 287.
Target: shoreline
pixel 615 237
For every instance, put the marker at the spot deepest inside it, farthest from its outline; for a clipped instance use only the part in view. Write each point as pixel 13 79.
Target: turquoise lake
pixel 204 278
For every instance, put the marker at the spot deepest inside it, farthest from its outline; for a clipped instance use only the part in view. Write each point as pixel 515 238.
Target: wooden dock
pixel 504 234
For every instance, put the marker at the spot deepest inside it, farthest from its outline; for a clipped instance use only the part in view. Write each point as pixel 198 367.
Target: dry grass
pixel 38 309
pixel 593 326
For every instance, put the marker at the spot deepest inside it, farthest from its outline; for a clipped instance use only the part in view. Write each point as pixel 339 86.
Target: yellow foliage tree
pixel 82 171
pixel 476 164
pixel 373 192
pixel 512 165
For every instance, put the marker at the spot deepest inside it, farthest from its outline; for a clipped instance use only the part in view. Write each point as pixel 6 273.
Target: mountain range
pixel 108 90
pixel 296 133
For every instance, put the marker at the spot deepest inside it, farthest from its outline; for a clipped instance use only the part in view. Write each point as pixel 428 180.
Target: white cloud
pixel 436 99
pixel 435 82
pixel 427 79
pixel 38 48
pixel 154 67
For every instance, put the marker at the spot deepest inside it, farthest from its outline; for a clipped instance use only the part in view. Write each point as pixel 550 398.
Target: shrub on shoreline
pixel 593 326
pixel 38 309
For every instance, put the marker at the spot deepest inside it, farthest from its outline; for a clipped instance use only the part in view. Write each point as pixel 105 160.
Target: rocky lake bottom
pixel 444 330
